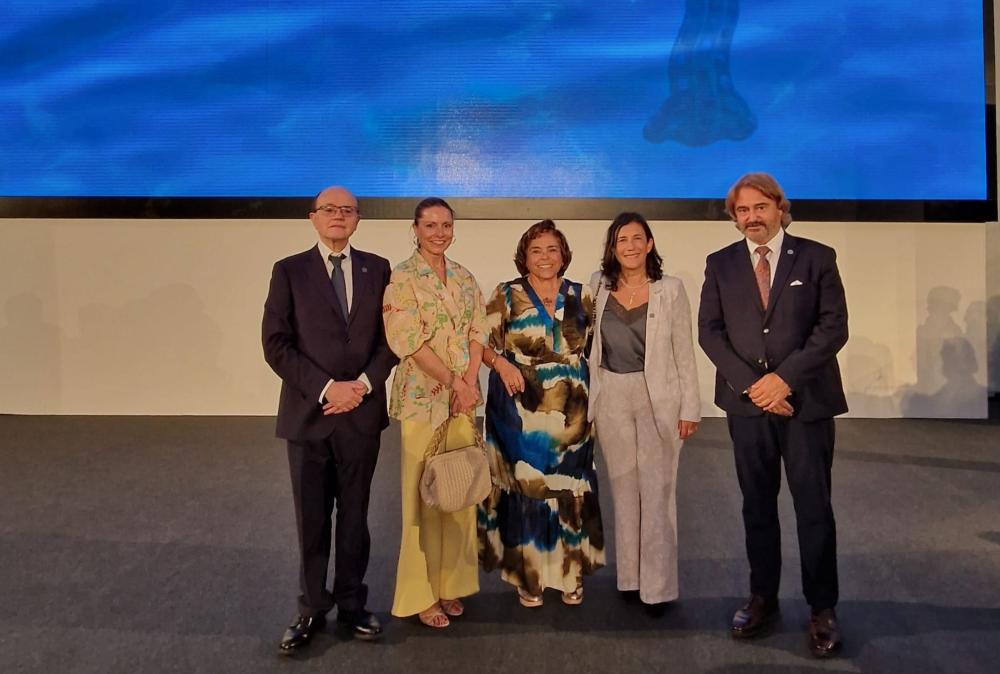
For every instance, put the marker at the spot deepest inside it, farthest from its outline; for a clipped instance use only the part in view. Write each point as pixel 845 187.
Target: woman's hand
pixel 510 375
pixel 686 428
pixel 464 396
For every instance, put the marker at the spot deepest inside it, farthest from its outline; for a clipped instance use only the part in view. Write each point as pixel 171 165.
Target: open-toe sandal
pixel 528 600
pixel 434 617
pixel 452 607
pixel 573 598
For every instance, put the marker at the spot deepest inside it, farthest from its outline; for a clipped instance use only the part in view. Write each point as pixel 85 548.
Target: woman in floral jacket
pixel 435 321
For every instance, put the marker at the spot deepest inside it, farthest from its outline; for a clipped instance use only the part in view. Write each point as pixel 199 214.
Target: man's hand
pixel 782 408
pixel 768 390
pixel 343 396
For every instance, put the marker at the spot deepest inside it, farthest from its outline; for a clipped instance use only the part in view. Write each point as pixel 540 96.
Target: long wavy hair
pixel 612 268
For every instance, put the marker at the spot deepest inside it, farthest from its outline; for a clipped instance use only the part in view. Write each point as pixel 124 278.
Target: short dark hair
pixel 532 233
pixel 611 268
pixel 431 202
pixel 766 185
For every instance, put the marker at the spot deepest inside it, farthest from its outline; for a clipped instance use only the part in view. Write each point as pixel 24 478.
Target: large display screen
pixel 618 99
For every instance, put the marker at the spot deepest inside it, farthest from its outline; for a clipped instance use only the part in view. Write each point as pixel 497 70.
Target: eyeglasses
pixel 330 209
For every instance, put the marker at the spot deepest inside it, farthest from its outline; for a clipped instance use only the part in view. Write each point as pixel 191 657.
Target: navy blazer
pixel 308 341
pixel 797 337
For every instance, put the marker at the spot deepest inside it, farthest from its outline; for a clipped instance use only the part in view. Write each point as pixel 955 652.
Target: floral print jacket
pixel 418 309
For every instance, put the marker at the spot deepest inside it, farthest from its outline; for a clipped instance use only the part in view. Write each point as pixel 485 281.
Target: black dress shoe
pixel 300 632
pixel 363 625
pixel 630 596
pixel 824 634
pixel 754 617
pixel 657 610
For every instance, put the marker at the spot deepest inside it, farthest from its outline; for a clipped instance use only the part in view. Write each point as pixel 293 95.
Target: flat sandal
pixel 452 607
pixel 574 598
pixel 528 600
pixel 432 617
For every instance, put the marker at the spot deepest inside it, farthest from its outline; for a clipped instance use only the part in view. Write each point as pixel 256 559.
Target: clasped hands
pixel 343 396
pixel 464 396
pixel 769 393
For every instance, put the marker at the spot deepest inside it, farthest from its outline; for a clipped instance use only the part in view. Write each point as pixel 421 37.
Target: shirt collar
pixel 424 267
pixel 774 244
pixel 325 252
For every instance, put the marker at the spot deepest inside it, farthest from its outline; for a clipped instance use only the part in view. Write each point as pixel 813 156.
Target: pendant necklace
pixel 635 290
pixel 547 300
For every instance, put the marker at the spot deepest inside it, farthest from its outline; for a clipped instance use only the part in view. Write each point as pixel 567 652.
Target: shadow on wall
pixel 871 381
pixel 947 364
pixel 946 360
pixel 30 357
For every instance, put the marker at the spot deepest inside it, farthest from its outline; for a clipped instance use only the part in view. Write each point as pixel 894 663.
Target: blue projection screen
pixel 842 100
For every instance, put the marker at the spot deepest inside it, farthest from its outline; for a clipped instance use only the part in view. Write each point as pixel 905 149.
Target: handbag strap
pixel 440 438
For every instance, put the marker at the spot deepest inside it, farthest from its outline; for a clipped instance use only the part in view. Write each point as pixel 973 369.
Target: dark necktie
pixel 337 279
pixel 763 274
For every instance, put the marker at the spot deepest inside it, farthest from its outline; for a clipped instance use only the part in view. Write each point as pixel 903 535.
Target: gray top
pixel 623 336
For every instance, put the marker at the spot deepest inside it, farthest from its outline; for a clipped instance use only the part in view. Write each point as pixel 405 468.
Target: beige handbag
pixel 454 479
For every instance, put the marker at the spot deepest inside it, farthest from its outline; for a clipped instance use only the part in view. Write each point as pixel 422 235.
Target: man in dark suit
pixel 773 316
pixel 323 335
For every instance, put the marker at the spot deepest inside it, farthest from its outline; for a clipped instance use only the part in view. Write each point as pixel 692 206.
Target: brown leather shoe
pixel 824 634
pixel 754 617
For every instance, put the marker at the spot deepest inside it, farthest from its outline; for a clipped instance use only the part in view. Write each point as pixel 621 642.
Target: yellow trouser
pixel 438 551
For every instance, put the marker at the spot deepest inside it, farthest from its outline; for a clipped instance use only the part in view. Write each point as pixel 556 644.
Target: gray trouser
pixel 643 471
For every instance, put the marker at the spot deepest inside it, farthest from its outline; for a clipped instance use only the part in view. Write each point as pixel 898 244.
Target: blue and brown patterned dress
pixel 541 524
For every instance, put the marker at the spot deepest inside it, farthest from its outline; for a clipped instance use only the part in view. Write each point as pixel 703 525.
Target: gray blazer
pixel 671 373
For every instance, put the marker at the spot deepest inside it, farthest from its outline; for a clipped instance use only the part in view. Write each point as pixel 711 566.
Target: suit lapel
pixel 442 292
pixel 654 315
pixel 447 294
pixel 600 302
pixel 746 279
pixel 361 278
pixel 785 261
pixel 316 269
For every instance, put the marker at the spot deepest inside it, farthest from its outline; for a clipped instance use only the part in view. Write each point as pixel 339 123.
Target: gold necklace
pixel 634 292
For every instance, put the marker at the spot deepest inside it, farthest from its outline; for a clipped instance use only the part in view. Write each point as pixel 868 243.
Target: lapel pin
pixel 790 251
pixel 364 270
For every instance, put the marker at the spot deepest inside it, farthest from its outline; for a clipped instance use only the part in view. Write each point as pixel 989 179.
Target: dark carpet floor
pixel 152 544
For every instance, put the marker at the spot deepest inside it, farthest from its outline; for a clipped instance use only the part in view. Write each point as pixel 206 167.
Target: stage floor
pixel 167 544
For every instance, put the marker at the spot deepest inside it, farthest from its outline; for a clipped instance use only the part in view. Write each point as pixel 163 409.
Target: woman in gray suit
pixel 644 398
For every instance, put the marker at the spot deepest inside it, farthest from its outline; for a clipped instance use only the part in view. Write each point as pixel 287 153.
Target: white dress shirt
pixel 346 265
pixel 325 252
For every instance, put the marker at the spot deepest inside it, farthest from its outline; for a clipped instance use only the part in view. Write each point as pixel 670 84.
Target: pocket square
pixel 796 282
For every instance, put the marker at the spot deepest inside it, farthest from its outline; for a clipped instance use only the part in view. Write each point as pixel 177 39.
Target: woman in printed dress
pixel 435 322
pixel 541 524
